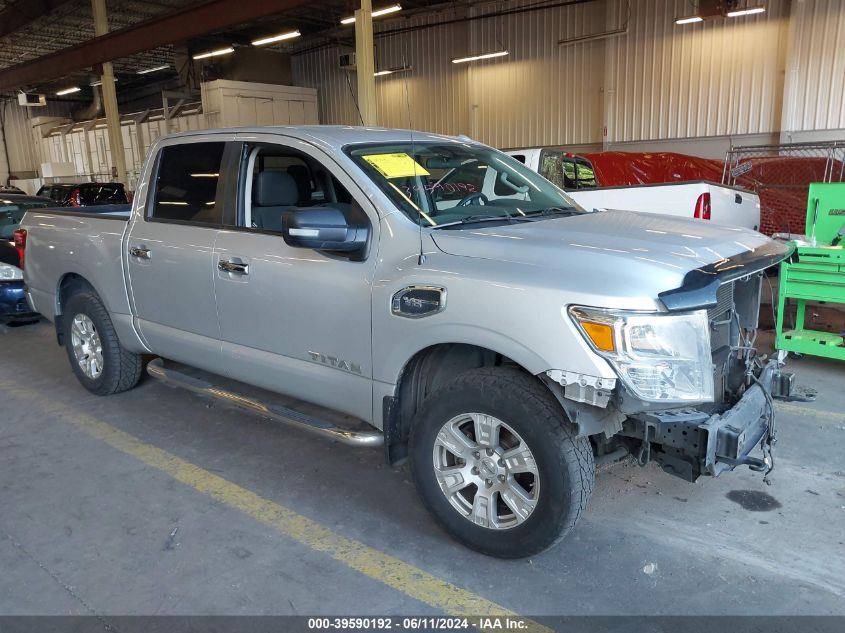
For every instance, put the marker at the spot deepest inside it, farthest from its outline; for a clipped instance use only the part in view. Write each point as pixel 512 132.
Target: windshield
pixel 439 184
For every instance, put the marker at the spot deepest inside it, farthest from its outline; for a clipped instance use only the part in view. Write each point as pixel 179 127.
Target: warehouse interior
pixel 180 508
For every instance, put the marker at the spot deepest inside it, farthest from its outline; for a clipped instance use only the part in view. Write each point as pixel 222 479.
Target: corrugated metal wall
pixel 715 78
pixel 815 81
pixel 658 81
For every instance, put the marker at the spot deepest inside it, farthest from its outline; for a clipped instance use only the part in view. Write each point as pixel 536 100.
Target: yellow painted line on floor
pixel 803 410
pixel 404 577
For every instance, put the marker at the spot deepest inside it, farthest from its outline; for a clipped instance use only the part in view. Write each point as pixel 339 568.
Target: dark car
pixel 11 189
pixel 84 194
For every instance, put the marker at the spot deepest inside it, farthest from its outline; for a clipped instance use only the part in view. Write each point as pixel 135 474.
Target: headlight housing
pixel 10 273
pixel 662 358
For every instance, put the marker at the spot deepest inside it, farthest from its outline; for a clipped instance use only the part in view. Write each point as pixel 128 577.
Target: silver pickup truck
pixel 503 342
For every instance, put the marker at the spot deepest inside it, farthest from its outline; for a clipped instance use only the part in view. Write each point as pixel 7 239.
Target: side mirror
pixel 323 229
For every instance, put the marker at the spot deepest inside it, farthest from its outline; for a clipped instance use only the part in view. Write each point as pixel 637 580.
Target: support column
pixel 365 61
pixel 101 27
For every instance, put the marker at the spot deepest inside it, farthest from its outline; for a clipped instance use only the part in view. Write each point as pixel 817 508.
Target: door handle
pixel 233 267
pixel 143 253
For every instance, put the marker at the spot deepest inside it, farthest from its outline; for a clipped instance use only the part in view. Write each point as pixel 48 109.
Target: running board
pixel 363 438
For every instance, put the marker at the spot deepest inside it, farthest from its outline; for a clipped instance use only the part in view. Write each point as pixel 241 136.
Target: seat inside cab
pixel 287 181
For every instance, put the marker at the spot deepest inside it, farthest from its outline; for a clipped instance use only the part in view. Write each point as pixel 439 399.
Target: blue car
pixel 13 303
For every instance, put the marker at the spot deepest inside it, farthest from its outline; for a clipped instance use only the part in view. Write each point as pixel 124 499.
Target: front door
pixel 295 320
pixel 170 253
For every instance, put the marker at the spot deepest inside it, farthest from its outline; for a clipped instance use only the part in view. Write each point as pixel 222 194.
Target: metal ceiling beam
pixel 177 26
pixel 18 14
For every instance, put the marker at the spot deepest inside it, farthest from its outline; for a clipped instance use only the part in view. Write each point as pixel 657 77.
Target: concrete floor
pixel 93 521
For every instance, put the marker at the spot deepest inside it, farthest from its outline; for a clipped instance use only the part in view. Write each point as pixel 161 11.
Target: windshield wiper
pixel 475 219
pixel 550 211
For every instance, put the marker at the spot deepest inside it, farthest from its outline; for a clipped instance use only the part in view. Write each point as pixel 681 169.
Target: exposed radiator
pixel 724 301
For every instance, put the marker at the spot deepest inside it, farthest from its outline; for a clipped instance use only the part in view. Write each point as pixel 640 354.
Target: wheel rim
pixel 486 471
pixel 87 347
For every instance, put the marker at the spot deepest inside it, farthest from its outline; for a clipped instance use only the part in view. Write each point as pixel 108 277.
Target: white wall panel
pixel 815 82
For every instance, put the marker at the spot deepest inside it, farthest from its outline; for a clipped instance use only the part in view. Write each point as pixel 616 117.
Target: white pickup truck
pixel 700 199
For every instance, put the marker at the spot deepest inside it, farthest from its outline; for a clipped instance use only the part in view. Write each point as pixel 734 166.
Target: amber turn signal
pixel 601 334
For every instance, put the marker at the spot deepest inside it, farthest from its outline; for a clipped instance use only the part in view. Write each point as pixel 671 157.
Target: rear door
pixel 170 250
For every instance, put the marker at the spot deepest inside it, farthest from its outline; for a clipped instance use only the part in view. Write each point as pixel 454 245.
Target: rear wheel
pixel 99 361
pixel 498 465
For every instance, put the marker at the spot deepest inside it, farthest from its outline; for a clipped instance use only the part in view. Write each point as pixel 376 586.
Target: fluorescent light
pixel 390 71
pixel 68 91
pixel 376 14
pixel 100 82
pixel 153 70
pixel 741 12
pixel 276 38
pixel 215 53
pixel 462 60
pixel 689 20
pixel 207 175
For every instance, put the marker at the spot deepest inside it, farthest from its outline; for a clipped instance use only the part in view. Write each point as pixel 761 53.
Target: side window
pixel 519 157
pixel 186 184
pixel 585 176
pixel 279 179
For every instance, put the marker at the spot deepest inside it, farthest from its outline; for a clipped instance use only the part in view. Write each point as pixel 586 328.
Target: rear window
pixel 94 194
pixel 567 171
pixel 186 184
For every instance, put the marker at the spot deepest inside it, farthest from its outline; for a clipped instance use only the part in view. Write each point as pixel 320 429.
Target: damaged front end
pixel 738 427
pixel 694 394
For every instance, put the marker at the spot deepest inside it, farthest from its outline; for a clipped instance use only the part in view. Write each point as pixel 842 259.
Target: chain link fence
pixel 781 175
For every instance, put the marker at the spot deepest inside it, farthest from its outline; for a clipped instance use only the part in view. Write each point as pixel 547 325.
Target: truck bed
pixel 64 242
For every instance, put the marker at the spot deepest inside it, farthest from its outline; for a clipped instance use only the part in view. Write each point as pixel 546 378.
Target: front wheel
pixel 98 359
pixel 497 464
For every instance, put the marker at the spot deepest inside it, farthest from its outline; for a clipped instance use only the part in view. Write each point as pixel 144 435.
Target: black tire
pixel 565 463
pixel 121 369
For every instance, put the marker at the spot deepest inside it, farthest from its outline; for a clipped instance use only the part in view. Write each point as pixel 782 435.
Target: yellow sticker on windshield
pixel 398 165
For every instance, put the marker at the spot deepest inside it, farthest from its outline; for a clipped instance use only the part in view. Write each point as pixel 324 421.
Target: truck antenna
pixel 421 258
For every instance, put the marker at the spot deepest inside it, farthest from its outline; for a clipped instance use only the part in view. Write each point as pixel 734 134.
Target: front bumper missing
pixel 690 442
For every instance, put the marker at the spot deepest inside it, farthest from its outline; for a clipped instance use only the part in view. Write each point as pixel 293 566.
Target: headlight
pixel 10 273
pixel 659 357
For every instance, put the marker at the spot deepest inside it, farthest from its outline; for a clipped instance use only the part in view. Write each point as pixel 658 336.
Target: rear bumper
pixel 13 301
pixel 691 442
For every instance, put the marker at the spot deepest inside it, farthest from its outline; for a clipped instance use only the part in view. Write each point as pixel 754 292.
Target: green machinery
pixel 815 272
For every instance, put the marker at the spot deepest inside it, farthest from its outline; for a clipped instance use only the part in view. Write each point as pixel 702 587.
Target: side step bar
pixel 285 415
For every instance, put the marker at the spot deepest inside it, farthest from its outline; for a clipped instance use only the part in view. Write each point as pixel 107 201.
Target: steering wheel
pixel 477 198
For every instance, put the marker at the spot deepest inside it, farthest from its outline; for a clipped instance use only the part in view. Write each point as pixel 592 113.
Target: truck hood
pixel 630 254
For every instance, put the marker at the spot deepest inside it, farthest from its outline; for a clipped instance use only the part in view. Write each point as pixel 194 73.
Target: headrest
pixel 303 181
pixel 275 189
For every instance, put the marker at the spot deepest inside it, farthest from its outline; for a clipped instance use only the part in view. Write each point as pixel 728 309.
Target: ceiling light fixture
pixel 68 91
pixel 689 20
pixel 749 11
pixel 276 38
pixel 153 70
pixel 390 71
pixel 99 82
pixel 463 60
pixel 376 14
pixel 215 53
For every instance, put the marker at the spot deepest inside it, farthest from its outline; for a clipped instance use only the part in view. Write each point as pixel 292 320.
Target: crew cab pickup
pixel 504 341
pixel 698 199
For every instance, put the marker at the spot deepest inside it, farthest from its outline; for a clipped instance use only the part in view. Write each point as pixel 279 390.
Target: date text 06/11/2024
pixel 485 623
